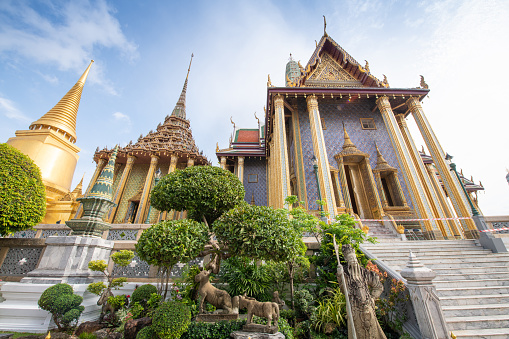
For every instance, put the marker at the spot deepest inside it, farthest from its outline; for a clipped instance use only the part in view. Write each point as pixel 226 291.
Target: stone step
pixel 481 283
pixel 451 260
pixel 471 276
pixel 433 243
pixel 476 323
pixel 472 270
pixel 475 310
pixel 441 253
pixel 472 290
pixel 485 299
pixel 495 333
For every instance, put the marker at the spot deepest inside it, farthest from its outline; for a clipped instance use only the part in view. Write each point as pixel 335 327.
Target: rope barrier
pixel 459 218
pixel 496 229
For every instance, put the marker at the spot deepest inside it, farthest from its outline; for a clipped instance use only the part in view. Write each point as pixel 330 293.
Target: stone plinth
pixel 260 328
pixel 253 335
pixel 212 318
pixel 65 260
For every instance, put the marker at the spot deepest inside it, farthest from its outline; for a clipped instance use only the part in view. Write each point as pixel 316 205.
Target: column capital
pixel 413 104
pixel 312 102
pixel 383 102
pixel 241 160
pixel 278 99
pixel 131 159
pixel 400 118
pixel 154 159
pixel 190 162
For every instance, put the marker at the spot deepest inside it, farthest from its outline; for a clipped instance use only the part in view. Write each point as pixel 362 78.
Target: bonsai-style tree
pixel 63 305
pixel 206 192
pixel 170 242
pixel 121 258
pixel 22 193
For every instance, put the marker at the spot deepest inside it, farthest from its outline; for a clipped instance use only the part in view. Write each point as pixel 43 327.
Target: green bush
pixel 282 324
pixel 63 304
pixel 171 319
pixel 142 294
pixel 303 303
pixel 22 193
pixel 146 333
pixel 86 335
pixel 330 312
pixel 244 276
pixel 219 330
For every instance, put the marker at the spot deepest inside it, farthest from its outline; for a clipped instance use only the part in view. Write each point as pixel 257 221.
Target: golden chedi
pixel 50 143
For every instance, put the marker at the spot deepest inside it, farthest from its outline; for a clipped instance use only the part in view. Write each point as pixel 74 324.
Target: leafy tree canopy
pixel 204 191
pixel 22 193
pixel 259 232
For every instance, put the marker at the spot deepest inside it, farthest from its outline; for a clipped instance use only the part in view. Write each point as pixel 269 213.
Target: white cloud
pixel 123 121
pixel 8 109
pixel 68 35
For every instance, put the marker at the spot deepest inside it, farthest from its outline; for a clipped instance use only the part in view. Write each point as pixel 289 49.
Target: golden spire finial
pixel 189 69
pixel 180 106
pixel 324 26
pixel 348 142
pixel 366 67
pixel 63 116
pixel 423 83
pixel 231 120
pixel 269 83
pixel 257 118
pixel 217 146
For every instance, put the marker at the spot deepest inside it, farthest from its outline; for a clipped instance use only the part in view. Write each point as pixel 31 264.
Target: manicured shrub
pixel 22 193
pixel 146 333
pixel 219 330
pixel 171 319
pixel 63 304
pixel 142 294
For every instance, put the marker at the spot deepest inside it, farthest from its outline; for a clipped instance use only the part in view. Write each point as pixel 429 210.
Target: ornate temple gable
pixel 328 54
pixel 329 73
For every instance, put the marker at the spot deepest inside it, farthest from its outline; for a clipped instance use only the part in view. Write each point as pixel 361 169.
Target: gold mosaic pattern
pixel 134 184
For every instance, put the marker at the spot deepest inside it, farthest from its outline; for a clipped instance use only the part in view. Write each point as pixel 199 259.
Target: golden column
pixel 423 176
pixel 381 192
pixel 344 184
pixel 100 165
pixel 120 188
pixel 223 163
pixel 299 162
pixel 280 150
pixel 335 177
pixel 420 201
pixel 240 169
pixel 190 162
pixel 140 215
pixel 380 211
pixel 455 227
pixel 320 152
pixel 449 180
pixel 171 168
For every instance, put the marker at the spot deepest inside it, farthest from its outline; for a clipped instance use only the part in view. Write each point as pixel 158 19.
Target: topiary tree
pixel 171 319
pixel 170 242
pixel 63 305
pixel 206 192
pixel 142 294
pixel 22 193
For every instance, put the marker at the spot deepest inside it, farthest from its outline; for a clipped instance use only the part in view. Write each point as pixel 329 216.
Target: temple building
pixel 338 134
pixel 50 143
pixel 139 165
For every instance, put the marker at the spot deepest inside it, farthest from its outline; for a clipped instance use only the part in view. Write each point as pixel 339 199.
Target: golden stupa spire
pixel 180 107
pixel 63 116
pixel 348 142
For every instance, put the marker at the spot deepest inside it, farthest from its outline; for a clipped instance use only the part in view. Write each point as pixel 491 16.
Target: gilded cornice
pixel 63 116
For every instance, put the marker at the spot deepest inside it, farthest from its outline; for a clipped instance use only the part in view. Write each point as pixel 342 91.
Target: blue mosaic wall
pixel 254 165
pixel 333 115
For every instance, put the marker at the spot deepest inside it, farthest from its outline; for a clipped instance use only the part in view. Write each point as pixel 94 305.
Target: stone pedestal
pixel 212 318
pixel 425 301
pixel 259 328
pixel 252 335
pixel 65 260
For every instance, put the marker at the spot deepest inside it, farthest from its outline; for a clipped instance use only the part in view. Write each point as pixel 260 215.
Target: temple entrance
pixel 358 196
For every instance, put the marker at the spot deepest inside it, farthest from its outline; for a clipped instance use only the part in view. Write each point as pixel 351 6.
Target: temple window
pixel 368 123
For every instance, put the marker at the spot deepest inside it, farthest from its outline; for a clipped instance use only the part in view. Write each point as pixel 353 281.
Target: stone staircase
pixel 472 283
pixel 378 230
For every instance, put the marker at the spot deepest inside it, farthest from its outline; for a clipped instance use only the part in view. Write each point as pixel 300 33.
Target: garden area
pixel 255 259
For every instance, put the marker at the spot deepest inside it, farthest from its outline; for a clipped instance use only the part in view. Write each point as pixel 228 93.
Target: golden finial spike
pixel 189 69
pixel 324 26
pixel 85 74
pixel 63 116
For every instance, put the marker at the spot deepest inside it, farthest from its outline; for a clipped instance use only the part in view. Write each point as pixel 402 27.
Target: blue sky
pixel 142 50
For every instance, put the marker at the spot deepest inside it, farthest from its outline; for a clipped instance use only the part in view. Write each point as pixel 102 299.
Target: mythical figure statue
pixel 218 298
pixel 268 310
pixel 358 280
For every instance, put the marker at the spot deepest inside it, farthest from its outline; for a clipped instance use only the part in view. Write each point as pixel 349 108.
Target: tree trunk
pixel 290 272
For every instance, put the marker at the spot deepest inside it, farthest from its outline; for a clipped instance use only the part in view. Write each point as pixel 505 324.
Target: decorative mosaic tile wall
pixel 333 115
pixel 118 176
pixel 24 234
pixel 134 183
pixel 122 234
pixel 60 233
pixel 501 224
pixel 20 261
pixel 253 165
pixel 137 269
